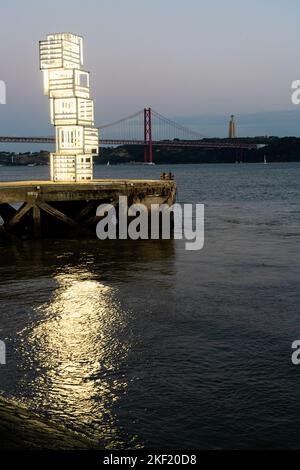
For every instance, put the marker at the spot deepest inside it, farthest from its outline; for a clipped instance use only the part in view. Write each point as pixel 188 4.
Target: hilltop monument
pixel 232 128
pixel 71 107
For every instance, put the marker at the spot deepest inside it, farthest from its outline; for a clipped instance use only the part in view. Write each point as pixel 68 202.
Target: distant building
pixel 71 107
pixel 232 128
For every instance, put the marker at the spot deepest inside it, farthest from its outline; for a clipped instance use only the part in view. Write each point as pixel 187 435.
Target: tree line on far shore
pixel 285 149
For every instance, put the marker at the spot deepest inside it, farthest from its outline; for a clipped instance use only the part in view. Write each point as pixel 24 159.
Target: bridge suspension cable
pixel 182 131
pixel 132 127
pixel 119 121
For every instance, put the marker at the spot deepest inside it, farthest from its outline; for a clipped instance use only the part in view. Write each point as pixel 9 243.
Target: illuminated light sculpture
pixel 71 107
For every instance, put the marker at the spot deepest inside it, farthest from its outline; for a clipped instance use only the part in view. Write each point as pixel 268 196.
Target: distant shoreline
pixel 158 163
pixel 285 149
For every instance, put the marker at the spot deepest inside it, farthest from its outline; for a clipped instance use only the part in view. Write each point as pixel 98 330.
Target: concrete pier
pixel 49 209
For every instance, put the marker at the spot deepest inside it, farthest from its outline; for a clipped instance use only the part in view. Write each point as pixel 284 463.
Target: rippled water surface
pixel 146 344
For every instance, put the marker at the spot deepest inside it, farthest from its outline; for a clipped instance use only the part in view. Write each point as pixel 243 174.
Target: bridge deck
pixel 203 143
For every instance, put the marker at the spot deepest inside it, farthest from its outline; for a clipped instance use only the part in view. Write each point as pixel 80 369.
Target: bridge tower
pixel 71 107
pixel 148 135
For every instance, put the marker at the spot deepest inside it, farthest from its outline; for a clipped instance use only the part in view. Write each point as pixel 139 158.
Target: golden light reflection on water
pixel 79 346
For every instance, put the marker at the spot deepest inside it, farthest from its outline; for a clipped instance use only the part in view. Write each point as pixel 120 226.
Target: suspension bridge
pixel 148 128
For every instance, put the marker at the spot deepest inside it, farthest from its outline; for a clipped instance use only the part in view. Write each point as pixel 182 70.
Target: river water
pixel 145 344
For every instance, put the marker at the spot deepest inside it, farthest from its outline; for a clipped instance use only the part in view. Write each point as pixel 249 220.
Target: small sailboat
pixel 107 164
pixel 265 160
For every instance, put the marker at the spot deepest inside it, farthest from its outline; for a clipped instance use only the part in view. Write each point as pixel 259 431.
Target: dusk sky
pixel 195 61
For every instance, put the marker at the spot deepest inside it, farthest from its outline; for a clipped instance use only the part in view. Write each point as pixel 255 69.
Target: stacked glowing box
pixel 71 108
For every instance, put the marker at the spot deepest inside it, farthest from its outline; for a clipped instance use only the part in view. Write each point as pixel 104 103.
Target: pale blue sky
pixel 186 58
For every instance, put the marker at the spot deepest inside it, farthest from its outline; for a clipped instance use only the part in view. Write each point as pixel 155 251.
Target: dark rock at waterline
pixel 21 429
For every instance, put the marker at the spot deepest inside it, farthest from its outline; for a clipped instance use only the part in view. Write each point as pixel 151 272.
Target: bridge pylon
pixel 147 135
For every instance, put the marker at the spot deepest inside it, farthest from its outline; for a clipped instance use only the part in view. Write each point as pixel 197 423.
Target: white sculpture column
pixel 71 107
